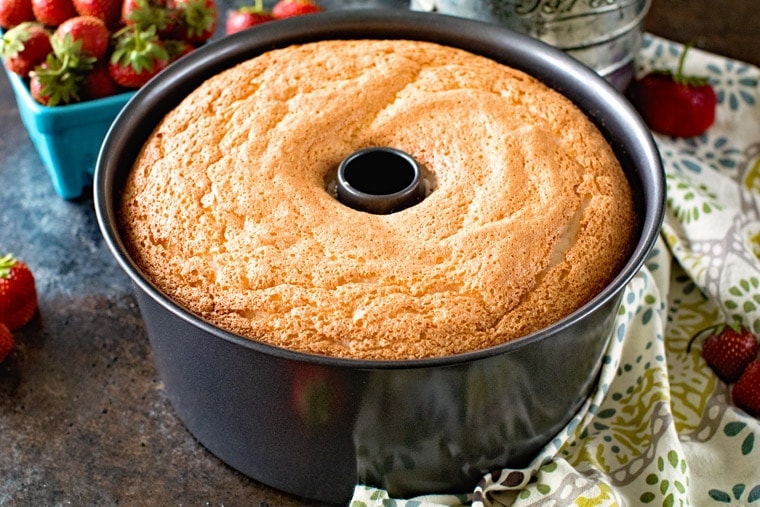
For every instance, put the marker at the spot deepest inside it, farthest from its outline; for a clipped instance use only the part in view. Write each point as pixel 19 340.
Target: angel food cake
pixel 228 208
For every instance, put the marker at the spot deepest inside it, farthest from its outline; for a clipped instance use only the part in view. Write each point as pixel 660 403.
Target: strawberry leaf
pixel 7 262
pixel 146 14
pixel 12 41
pixel 138 49
pixel 70 55
pixel 59 83
pixel 197 16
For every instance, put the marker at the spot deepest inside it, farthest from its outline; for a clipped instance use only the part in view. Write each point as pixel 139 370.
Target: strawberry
pixel 178 48
pixel 53 12
pixel 129 7
pixel 36 88
pixel 197 20
pixel 90 32
pixel 15 12
pixel 746 391
pixel 6 342
pixel 246 17
pixel 138 55
pixel 147 13
pixel 59 79
pixel 18 295
pixel 728 350
pixel 674 104
pixel 289 8
pixel 107 10
pixel 97 83
pixel 24 47
pixel 56 82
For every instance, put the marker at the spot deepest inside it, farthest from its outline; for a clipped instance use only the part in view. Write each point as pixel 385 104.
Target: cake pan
pixel 315 426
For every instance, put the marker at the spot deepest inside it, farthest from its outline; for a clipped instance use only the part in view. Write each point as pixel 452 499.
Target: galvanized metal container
pixel 603 34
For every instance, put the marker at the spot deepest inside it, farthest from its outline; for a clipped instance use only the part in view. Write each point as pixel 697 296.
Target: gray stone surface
pixel 83 418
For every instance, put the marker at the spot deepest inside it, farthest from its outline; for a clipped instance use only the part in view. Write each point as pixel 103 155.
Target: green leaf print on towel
pixel 687 200
pixel 735 429
pixel 744 300
pixel 670 484
pixel 737 493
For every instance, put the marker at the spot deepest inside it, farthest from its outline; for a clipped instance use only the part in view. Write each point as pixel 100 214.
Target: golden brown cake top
pixel 227 209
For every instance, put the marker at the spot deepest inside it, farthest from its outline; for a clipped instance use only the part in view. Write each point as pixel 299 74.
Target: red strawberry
pixel 128 7
pixel 197 20
pixel 98 83
pixel 24 47
pixel 54 82
pixel 137 56
pixel 746 391
pixel 91 31
pixel 674 104
pixel 728 350
pixel 289 8
pixel 147 13
pixel 107 10
pixel 15 12
pixel 36 89
pixel 53 12
pixel 246 17
pixel 178 48
pixel 58 79
pixel 6 342
pixel 18 295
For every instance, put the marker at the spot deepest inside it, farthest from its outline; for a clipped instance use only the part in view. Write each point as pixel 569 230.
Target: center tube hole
pixel 379 180
pixel 379 172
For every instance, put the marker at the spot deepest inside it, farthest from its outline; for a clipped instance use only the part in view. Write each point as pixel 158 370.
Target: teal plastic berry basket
pixel 67 138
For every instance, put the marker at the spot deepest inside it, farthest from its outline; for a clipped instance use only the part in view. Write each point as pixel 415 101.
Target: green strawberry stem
pixel 198 17
pixel 7 262
pixel 714 329
pixel 69 52
pixel 257 7
pixel 138 49
pixel 12 41
pixel 145 15
pixel 679 77
pixel 61 76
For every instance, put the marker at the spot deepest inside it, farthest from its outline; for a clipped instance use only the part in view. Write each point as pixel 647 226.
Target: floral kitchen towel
pixel 660 428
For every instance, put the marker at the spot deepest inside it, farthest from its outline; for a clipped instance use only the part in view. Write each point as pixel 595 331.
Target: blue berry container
pixel 67 137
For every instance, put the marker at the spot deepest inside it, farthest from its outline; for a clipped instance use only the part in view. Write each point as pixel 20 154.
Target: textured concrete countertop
pixel 83 418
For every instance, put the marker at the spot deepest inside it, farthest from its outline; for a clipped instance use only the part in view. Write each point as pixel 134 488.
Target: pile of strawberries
pixel 732 353
pixel 248 16
pixel 18 300
pixel 77 50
